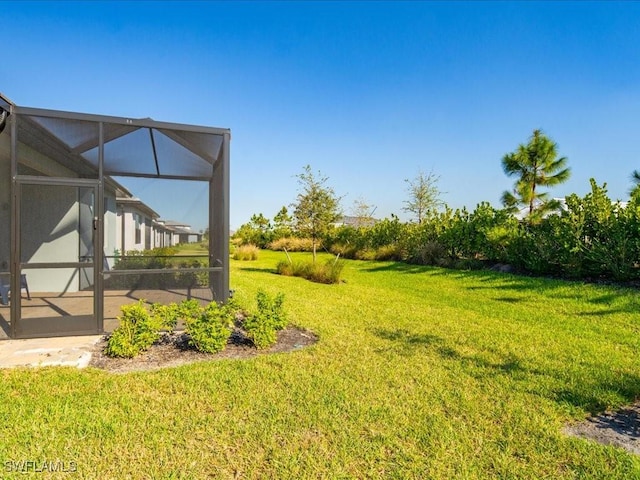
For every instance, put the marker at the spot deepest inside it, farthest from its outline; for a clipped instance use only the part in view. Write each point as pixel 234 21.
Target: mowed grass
pixel 419 373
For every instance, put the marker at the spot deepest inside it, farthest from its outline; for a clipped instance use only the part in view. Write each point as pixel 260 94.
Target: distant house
pixel 524 211
pixel 352 221
pixel 135 225
pixel 180 232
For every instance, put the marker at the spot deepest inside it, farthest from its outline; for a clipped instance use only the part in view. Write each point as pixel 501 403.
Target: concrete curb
pixel 48 352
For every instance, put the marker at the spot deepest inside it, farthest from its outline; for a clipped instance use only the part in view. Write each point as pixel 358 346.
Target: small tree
pixel 257 231
pixel 424 195
pixel 282 224
pixel 534 165
pixel 362 212
pixel 316 208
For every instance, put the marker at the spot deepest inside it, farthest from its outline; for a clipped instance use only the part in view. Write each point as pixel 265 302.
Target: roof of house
pixel 138 204
pixel 524 211
pixel 353 221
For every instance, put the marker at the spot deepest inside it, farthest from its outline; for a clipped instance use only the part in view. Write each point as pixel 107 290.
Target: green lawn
pixel 191 249
pixel 419 373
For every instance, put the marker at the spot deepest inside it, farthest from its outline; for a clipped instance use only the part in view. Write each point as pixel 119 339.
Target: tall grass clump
pixel 328 272
pixel 246 252
pixel 292 244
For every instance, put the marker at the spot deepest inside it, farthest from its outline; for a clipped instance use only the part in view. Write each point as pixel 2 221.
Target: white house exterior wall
pixel 126 217
pixel 110 228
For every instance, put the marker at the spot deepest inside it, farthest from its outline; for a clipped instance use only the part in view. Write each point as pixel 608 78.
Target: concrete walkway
pixel 45 352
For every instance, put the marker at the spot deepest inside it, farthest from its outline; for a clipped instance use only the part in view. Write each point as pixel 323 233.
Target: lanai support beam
pixel 219 224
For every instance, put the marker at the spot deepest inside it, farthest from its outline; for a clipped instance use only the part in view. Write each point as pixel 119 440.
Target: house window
pixel 138 220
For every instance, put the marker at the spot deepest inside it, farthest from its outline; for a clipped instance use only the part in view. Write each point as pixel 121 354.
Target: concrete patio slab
pixel 45 352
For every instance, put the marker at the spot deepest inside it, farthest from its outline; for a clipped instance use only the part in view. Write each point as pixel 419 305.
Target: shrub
pixel 328 272
pixel 147 259
pixel 365 254
pixel 209 328
pixel 189 279
pixel 262 327
pixel 135 334
pixel 388 252
pixel 189 310
pixel 166 315
pixel 272 308
pixel 430 253
pixel 246 252
pixel 344 250
pixel 260 331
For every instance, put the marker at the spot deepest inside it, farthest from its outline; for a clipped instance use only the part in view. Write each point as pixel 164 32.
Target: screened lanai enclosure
pixel 76 243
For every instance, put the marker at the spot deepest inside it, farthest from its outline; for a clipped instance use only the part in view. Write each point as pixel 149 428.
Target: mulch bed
pixel 173 350
pixel 620 428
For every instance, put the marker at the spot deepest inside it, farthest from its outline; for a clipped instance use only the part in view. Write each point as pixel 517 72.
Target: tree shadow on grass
pixel 587 393
pixel 509 299
pixel 259 270
pixel 411 342
pixel 627 298
pixel 625 421
pixel 400 267
pixel 508 282
pixel 586 396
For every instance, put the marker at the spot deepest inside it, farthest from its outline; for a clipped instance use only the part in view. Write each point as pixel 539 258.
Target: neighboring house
pixel 180 232
pixel 524 211
pixel 135 225
pixel 163 234
pixel 351 221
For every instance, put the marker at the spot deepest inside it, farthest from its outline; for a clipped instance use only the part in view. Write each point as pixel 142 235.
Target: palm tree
pixel 635 177
pixel 535 165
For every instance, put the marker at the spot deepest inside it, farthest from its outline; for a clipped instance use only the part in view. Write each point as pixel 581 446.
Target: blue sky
pixel 369 93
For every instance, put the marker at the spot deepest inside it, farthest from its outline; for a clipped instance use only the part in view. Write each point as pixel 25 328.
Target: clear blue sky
pixel 366 92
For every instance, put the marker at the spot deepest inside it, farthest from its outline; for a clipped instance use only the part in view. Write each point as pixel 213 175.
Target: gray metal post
pixel 219 223
pixel 98 241
pixel 15 222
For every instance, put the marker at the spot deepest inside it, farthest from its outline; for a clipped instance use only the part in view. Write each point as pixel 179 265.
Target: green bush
pixel 166 315
pixel 345 250
pixel 272 307
pixel 189 310
pixel 388 252
pixel 146 259
pixel 136 333
pixel 260 331
pixel 262 327
pixel 209 328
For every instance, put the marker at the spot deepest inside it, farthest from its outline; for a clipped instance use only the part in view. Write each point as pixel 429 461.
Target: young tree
pixel 424 195
pixel 317 206
pixel 257 231
pixel 260 222
pixel 362 211
pixel 534 165
pixel 282 223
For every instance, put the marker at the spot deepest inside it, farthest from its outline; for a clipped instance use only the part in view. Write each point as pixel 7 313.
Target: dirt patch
pixel 620 428
pixel 173 350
